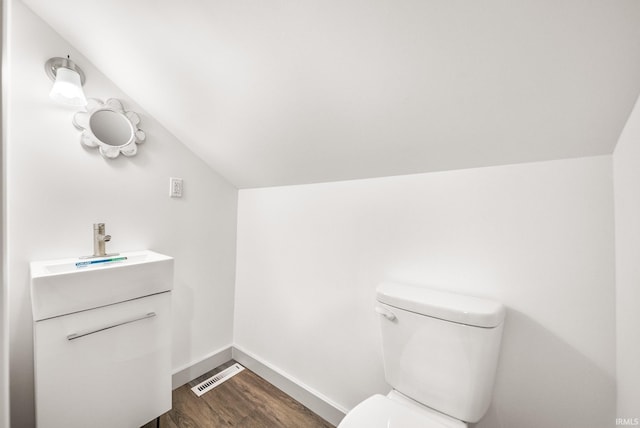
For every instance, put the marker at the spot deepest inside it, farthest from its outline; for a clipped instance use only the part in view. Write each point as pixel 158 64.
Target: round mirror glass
pixel 110 127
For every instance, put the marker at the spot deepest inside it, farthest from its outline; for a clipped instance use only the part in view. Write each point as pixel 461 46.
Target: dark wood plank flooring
pixel 246 400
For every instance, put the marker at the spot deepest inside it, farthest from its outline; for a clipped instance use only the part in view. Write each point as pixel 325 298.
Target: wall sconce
pixel 68 79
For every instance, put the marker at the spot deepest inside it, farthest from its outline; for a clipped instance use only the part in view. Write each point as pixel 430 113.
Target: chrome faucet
pixel 99 240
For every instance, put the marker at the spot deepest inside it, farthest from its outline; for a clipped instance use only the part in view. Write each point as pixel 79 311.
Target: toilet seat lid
pixel 379 411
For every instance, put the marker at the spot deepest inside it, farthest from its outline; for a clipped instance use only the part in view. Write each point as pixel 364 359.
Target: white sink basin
pixel 60 287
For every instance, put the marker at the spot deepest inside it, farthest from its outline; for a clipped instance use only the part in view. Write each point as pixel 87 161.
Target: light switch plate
pixel 175 187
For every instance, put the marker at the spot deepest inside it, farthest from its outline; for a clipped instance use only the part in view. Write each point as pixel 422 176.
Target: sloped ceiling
pixel 301 91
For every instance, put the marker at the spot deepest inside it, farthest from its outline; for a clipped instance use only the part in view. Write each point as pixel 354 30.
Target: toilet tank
pixel 440 349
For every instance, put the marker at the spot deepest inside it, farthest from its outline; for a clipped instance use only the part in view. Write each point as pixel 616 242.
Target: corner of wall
pixel 310 398
pixel 4 330
pixel 626 173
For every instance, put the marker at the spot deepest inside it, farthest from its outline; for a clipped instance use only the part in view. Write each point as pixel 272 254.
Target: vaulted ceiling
pixel 301 91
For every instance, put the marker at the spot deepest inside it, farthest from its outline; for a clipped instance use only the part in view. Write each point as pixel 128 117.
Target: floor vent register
pixel 217 379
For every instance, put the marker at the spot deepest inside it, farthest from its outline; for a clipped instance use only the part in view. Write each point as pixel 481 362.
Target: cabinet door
pixel 105 367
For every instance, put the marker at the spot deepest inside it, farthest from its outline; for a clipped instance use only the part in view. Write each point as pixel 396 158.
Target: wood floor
pixel 246 400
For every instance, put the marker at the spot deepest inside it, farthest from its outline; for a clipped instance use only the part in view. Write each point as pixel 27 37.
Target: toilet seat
pixel 379 411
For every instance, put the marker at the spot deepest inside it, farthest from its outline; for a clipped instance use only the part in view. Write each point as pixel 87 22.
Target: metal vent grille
pixel 217 379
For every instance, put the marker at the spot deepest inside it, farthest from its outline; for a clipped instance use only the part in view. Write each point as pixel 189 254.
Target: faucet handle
pixel 107 238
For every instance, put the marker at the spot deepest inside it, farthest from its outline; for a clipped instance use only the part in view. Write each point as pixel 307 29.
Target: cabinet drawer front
pixel 105 367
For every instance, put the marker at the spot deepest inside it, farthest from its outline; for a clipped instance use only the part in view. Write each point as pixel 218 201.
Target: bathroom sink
pixel 65 286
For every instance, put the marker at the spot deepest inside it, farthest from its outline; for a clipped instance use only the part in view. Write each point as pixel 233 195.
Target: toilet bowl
pixel 396 411
pixel 440 356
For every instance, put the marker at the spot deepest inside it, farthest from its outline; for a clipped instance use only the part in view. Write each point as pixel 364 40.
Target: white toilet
pixel 440 357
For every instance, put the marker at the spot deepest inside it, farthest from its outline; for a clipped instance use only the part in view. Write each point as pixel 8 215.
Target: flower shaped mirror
pixel 109 127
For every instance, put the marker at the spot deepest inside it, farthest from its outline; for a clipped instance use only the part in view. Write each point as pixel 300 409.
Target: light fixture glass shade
pixel 67 88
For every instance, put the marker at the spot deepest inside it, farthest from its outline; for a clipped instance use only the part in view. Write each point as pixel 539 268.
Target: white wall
pixel 56 190
pixel 4 335
pixel 626 162
pixel 538 237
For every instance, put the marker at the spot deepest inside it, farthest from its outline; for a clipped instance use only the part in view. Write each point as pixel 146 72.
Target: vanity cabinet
pixel 105 366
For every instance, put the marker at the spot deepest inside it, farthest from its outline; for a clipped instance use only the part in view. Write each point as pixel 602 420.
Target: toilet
pixel 440 356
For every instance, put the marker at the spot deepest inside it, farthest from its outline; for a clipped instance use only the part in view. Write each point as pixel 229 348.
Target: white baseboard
pixel 318 403
pixel 192 370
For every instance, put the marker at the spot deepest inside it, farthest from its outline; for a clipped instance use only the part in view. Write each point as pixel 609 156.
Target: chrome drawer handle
pixel 74 336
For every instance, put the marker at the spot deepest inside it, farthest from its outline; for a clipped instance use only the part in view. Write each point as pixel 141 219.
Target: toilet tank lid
pixel 438 304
